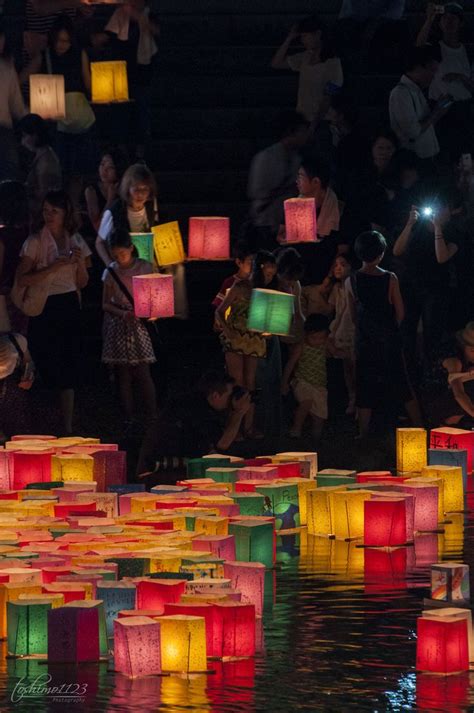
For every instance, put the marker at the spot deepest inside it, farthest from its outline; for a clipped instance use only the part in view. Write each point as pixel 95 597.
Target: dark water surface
pixel 340 635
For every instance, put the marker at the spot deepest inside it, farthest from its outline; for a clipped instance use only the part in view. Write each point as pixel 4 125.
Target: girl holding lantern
pixel 53 266
pixel 127 343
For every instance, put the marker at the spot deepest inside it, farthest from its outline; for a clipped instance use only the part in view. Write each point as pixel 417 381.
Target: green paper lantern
pixel 270 312
pixel 249 503
pixel 190 521
pixel 331 477
pixel 27 627
pixel 281 501
pixel 196 467
pixel 45 486
pixel 221 475
pixel 131 566
pixel 144 245
pixel 253 541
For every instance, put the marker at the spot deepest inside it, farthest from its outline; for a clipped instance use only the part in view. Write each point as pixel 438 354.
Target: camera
pixel 427 212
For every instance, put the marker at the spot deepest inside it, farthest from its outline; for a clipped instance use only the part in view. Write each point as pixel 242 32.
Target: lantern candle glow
pixel 183 643
pixel 109 82
pixel 168 244
pixel 411 449
pixel 47 97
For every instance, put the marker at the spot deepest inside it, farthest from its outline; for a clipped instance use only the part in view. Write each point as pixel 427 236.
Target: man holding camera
pixel 208 422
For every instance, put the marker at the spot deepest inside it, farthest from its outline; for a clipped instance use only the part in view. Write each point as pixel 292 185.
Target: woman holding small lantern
pixel 52 272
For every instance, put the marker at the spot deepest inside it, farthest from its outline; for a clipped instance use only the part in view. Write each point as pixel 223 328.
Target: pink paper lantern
pixel 137 646
pixel 31 467
pixel 223 546
pixel 155 593
pixel 265 472
pixel 153 296
pixel 300 220
pixel 209 238
pixel 426 505
pixel 50 574
pixel 249 579
pixel 73 634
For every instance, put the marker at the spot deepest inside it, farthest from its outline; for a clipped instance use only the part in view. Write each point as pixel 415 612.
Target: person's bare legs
pixel 235 367
pixel 300 416
pixel 66 405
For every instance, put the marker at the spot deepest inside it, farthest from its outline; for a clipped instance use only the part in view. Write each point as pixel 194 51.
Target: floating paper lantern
pixel 331 477
pixel 264 472
pixel 71 591
pixel 307 457
pixel 137 646
pixel 209 238
pixel 153 296
pixel 10 592
pixel 347 510
pixel 319 511
pixel 270 312
pixel 282 502
pixel 453 487
pixel 73 634
pixel 223 546
pixel 213 623
pixel 6 470
pixel 442 645
pixel 72 467
pixel 253 541
pixel 249 579
pixel 372 476
pixel 223 475
pixel 116 596
pixel 196 467
pixel 143 243
pixel 238 623
pixel 384 523
pixel 450 582
pixel 426 505
pixel 27 625
pixel 411 449
pixel 454 439
pixel 31 466
pixel 47 99
pixel 249 503
pixel 300 220
pixel 183 643
pixel 168 244
pixel 109 82
pixel 154 594
pixel 451 457
pixel 461 614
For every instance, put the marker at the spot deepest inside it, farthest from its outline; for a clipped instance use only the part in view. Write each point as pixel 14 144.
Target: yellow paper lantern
pixel 347 512
pixel 109 82
pixel 453 485
pixel 428 477
pixel 168 244
pixel 47 97
pixel 212 525
pixel 72 467
pixel 411 449
pixel 183 643
pixel 10 593
pixel 319 514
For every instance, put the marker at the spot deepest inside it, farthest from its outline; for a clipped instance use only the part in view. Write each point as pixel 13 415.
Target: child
pixel 307 363
pixel 243 256
pixel 16 377
pixel 242 349
pixel 127 342
pixel 377 308
pixel 341 329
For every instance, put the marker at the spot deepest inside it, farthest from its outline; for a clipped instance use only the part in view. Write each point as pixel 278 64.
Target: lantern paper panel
pixel 109 82
pixel 30 467
pixel 451 457
pixel 10 592
pixel 319 512
pixel 270 312
pixel 442 645
pixel 384 523
pixel 238 622
pixel 154 594
pixel 168 244
pixel 27 627
pixel 409 500
pixel 47 98
pixel 249 503
pixel 213 623
pixel 223 546
pixel 426 505
pixel 372 476
pixel 253 541
pixel 331 477
pixel 307 456
pixel 411 449
pixel 72 467
pixel 183 643
pixel 196 467
pixel 6 470
pixel 98 605
pixel 450 582
pixel 453 487
pixel 249 579
pixel 137 646
pixel 116 596
pixel 462 614
pixel 209 238
pixel 300 220
pixel 153 296
pixel 73 634
pixel 281 501
pixel 143 243
pixel 454 439
pixel 347 511
pixel 432 480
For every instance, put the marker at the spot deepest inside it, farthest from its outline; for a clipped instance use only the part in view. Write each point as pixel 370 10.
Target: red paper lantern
pixel 371 476
pixel 31 467
pixel 155 593
pixel 175 504
pixel 384 523
pixel 300 220
pixel 238 625
pixel 72 592
pixel 66 509
pixel 249 579
pixel 247 486
pixel 153 295
pixel 456 438
pixel 289 470
pixel 50 574
pixel 257 462
pixel 209 238
pixel 442 645
pixel 214 622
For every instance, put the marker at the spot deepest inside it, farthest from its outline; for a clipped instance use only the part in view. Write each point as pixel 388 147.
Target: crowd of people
pixel 384 291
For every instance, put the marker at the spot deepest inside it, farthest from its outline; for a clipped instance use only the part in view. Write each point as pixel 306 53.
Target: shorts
pixel 318 395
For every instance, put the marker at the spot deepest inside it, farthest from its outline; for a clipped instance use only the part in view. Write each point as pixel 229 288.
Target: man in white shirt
pixel 411 118
pixel 273 170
